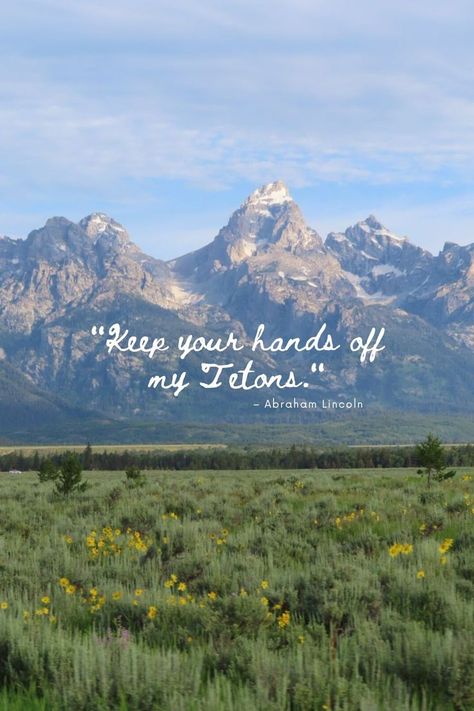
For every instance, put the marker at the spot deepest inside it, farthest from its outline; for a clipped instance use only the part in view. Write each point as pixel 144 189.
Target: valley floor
pixel 224 591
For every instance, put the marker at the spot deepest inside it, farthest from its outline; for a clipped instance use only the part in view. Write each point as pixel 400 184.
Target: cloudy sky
pixel 167 113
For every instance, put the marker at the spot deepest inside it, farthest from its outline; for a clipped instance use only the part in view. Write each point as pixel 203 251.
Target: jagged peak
pixel 57 220
pixel 371 227
pixel 449 245
pixel 372 224
pixel 275 193
pixel 375 224
pixel 98 222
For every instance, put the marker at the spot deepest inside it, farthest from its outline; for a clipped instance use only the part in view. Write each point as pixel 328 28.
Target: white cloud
pixel 93 95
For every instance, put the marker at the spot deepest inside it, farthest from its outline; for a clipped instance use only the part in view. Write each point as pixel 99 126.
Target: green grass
pixel 289 597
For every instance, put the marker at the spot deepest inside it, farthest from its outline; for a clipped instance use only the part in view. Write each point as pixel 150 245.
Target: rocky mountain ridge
pixel 266 265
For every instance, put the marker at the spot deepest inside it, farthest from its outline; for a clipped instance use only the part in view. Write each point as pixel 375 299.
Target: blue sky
pixel 167 114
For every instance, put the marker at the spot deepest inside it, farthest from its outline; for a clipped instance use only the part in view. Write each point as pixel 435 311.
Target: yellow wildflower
pixel 182 587
pixel 117 595
pixel 212 595
pixel 446 545
pixel 420 574
pixel 64 582
pixel 264 584
pixel 284 620
pixel 400 548
pixel 45 600
pixel 139 591
pixel 4 605
pixel 152 612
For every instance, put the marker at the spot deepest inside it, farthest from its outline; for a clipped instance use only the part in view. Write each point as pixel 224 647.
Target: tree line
pixel 295 457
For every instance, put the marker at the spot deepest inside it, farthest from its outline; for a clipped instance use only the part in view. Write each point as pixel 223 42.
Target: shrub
pixel 134 477
pixel 47 471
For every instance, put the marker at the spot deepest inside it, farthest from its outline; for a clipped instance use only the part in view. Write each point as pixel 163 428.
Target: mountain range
pixel 266 265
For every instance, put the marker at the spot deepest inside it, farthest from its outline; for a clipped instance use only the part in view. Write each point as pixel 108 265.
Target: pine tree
pixel 430 454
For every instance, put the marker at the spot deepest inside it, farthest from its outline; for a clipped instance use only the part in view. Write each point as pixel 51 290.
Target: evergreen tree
pixel 431 456
pixel 87 457
pixel 69 479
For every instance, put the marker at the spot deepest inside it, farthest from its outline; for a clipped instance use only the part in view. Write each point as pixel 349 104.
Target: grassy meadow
pixel 238 591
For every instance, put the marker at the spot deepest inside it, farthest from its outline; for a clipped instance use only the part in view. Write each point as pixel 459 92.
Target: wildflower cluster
pixel 283 620
pixel 220 539
pixel 425 528
pixel 469 501
pixel 67 586
pixel 179 591
pixel 179 594
pixel 276 613
pixel 92 597
pixel 152 612
pixel 443 548
pixel 172 515
pixel 400 549
pixel 43 610
pixel 113 541
pixel 355 515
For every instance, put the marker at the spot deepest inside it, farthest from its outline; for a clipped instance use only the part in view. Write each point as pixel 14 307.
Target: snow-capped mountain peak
pixel 275 193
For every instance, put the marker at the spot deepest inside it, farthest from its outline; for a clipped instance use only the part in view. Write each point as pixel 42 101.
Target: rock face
pixel 265 265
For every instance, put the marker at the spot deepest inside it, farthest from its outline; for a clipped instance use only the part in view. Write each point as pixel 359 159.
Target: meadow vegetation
pixel 232 590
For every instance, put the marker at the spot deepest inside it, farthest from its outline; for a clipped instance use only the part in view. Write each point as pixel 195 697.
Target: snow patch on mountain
pixel 383 269
pixel 272 194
